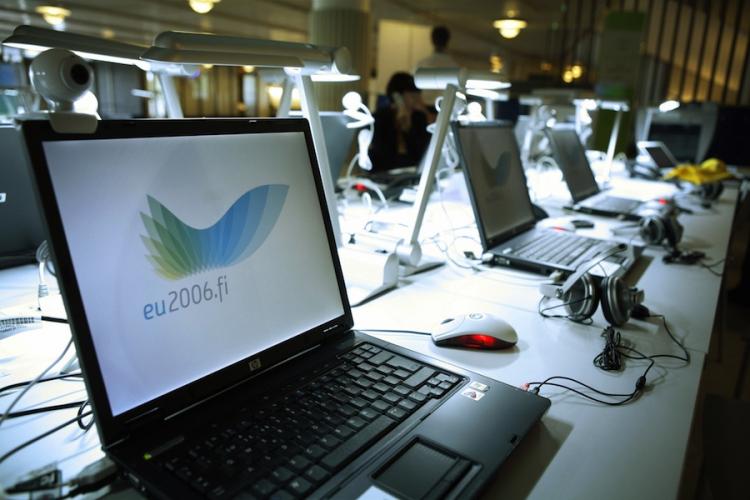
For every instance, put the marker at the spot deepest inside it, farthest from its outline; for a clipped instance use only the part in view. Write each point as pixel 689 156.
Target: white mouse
pixel 475 330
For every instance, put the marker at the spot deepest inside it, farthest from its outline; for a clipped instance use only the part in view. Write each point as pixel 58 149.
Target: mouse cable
pixel 53 319
pixel 48 379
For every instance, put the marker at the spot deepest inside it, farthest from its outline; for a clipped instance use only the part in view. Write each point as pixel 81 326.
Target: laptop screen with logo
pixel 188 252
pixel 571 158
pixel 495 176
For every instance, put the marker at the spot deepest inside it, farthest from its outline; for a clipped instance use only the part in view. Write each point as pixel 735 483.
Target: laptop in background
pixel 21 229
pixel 503 210
pixel 338 139
pixel 570 156
pixel 658 153
pixel 219 358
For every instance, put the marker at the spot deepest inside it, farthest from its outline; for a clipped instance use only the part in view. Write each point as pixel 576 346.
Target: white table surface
pixel 580 450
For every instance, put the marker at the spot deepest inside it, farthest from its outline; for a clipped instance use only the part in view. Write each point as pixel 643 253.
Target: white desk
pixel 581 449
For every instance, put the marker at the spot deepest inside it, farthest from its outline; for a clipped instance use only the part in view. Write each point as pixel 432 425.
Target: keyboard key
pixel 417 397
pixel 329 441
pixel 360 440
pixel 407 404
pixel 396 413
pixel 282 495
pixel 356 423
pixel 281 475
pixel 448 378
pixel 368 414
pixel 419 377
pixel 264 487
pixel 299 486
pixel 445 385
pixel 391 397
pixel 370 395
pixel 316 473
pixel 366 367
pixel 381 358
pixel 402 374
pixel 381 405
pixel 360 403
pixel 381 387
pixel 399 362
pixel 343 431
pixel 375 376
pixel 385 370
pixel 363 383
pixel 299 463
pixel 314 452
pixel 402 390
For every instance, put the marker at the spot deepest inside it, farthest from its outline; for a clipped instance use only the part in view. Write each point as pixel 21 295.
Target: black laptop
pixel 202 284
pixel 570 156
pixel 21 229
pixel 504 213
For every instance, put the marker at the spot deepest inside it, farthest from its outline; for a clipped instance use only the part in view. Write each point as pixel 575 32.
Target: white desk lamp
pixel 357 111
pixel 450 80
pixel 100 49
pixel 300 62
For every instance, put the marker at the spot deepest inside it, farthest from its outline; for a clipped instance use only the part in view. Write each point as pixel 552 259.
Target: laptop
pixel 658 153
pixel 21 230
pixel 504 213
pixel 338 140
pixel 219 356
pixel 587 197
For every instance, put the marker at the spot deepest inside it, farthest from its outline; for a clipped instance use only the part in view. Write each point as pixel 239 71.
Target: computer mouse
pixel 477 330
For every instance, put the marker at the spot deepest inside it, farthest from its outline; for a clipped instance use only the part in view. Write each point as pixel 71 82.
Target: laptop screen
pixel 191 252
pixel 338 140
pixel 495 178
pixel 571 158
pixel 660 157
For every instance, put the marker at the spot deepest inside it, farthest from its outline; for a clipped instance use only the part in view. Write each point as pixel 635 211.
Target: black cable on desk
pixel 45 409
pixel 33 440
pixel 53 319
pixel 48 379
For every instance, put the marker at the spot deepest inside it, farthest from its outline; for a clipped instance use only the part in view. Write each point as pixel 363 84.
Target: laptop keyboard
pixel 615 204
pixel 561 248
pixel 291 445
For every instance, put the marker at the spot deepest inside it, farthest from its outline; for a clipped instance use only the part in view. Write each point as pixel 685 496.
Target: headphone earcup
pixel 652 230
pixel 615 301
pixel 672 230
pixel 582 299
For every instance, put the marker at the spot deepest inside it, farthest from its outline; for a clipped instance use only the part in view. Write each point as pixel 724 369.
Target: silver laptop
pixel 570 156
pixel 505 217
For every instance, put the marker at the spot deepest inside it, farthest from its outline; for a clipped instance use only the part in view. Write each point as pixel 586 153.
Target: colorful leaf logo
pixel 177 250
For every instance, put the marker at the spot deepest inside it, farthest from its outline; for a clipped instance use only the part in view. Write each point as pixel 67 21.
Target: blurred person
pixel 400 137
pixel 438 59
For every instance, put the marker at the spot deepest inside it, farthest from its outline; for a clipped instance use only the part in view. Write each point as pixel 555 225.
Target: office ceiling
pixel 137 21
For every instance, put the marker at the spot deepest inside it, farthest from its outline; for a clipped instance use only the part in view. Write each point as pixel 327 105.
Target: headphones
pixel 709 191
pixel 658 228
pixel 581 295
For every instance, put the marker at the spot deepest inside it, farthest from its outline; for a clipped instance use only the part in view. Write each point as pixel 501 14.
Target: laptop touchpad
pixel 422 470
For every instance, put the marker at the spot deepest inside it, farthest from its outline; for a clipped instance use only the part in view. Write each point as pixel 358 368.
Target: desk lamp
pixel 619 107
pixel 100 49
pixel 450 81
pixel 300 62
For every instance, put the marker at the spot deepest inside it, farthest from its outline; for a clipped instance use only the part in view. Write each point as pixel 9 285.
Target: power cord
pixel 373 330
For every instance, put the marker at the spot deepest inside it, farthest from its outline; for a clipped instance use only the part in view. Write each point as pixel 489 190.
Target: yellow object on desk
pixel 711 170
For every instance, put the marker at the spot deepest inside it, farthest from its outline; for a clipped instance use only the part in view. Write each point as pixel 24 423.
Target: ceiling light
pixel 510 28
pixel 576 70
pixel 202 6
pixel 54 16
pixel 567 76
pixel 668 105
pixel 107 33
pixel 248 68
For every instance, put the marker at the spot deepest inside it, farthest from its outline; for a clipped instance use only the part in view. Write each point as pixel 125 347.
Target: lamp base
pixel 425 264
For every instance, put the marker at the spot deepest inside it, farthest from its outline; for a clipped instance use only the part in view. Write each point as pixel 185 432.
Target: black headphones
pixel 581 296
pixel 659 228
pixel 709 192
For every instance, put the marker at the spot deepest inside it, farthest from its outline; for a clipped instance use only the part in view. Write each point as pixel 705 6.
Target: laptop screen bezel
pixel 113 428
pixel 645 148
pixel 569 171
pixel 490 241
